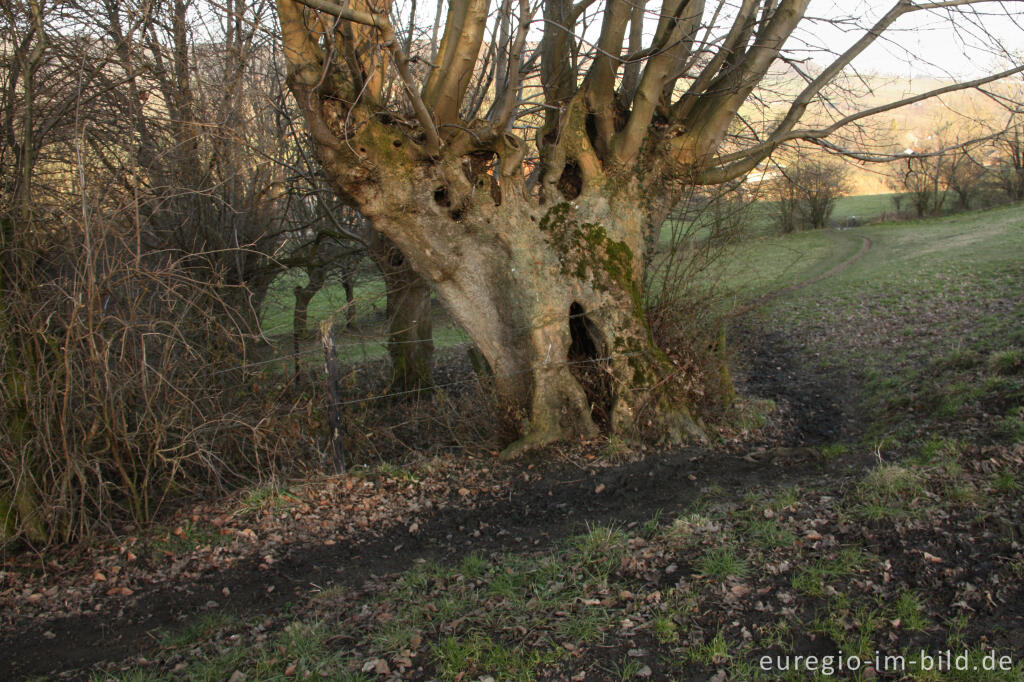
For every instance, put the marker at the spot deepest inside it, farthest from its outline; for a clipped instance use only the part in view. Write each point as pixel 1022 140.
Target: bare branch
pixel 742 159
pixel 463 33
pixel 390 41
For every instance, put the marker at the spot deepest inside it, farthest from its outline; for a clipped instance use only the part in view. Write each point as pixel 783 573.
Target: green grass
pixel 917 254
pixel 721 563
pixel 866 207
pixel 770 263
pixel 279 304
pixel 815 578
pixel 851 626
pixel 366 342
pixel 929 317
pixel 833 451
pixel 458 616
pixel 199 631
pixel 713 652
pixel 521 616
pixel 185 538
pixel 769 534
pixel 909 609
pixel 887 492
pixel 758 218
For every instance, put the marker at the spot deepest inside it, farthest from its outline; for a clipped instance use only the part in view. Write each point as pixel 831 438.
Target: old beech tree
pixel 518 234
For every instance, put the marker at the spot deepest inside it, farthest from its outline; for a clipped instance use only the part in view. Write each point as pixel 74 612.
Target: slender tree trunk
pixel 410 326
pixel 300 315
pixel 350 301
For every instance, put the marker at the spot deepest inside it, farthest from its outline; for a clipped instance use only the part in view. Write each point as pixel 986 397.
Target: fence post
pixel 335 458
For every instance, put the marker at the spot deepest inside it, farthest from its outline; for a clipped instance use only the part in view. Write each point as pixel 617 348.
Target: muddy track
pixel 541 507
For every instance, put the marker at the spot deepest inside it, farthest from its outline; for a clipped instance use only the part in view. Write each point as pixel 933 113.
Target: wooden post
pixel 335 458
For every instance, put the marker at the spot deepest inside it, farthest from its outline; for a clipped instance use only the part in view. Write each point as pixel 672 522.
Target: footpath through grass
pixel 931 319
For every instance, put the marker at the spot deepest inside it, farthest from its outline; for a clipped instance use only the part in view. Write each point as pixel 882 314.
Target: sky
pixel 937 43
pixel 925 43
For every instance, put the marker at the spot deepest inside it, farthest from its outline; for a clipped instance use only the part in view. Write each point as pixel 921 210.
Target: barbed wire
pixel 477 379
pixel 291 357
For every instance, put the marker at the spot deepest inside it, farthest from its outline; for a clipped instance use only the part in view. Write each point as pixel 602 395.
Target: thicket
pixel 142 203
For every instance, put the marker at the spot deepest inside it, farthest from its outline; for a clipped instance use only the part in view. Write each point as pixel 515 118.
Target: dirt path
pixel 866 245
pixel 542 505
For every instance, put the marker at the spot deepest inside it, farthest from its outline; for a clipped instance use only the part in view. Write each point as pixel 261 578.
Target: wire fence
pixel 350 365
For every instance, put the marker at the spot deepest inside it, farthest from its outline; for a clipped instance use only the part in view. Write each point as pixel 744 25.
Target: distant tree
pixel 949 164
pixel 1010 171
pixel 806 190
pixel 964 177
pixel 921 178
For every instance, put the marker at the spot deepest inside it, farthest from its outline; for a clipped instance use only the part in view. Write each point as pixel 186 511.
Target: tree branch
pixel 681 109
pixel 389 40
pixel 626 145
pixel 600 81
pixel 514 78
pixel 762 150
pixel 460 46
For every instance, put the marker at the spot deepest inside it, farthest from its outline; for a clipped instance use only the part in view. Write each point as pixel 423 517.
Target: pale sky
pixel 947 42
pixel 925 43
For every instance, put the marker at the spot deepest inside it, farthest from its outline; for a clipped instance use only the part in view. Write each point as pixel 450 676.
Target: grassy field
pixel 912 549
pixel 902 253
pixel 366 342
pixel 758 218
pixel 932 318
pixel 276 316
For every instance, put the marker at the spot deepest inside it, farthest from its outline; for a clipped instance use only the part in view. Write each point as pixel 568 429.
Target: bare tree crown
pixel 611 87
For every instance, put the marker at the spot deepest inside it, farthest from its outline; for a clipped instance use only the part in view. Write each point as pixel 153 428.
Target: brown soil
pixel 530 506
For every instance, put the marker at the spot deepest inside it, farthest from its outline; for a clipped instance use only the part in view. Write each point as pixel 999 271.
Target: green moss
pixel 585 251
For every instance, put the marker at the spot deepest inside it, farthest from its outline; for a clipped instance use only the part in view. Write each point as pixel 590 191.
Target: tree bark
pixel 300 314
pixel 515 275
pixel 350 301
pixel 410 326
pixel 511 267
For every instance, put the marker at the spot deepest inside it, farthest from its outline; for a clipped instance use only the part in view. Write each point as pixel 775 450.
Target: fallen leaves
pixel 212 536
pixel 377 666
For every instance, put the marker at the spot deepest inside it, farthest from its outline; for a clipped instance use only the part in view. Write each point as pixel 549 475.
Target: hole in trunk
pixel 570 183
pixel 588 365
pixel 441 197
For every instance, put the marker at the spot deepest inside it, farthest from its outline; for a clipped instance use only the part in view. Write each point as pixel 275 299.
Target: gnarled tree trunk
pixel 542 260
pixel 540 286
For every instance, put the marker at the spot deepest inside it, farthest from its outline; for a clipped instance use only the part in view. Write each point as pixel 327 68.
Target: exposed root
pixel 534 440
pixel 677 426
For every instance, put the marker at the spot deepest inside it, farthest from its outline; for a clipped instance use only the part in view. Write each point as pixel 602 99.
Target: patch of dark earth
pixel 813 408
pixel 544 503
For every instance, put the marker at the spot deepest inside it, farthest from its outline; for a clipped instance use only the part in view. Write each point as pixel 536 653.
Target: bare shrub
pixel 122 381
pixel 1010 161
pixel 684 305
pixel 805 191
